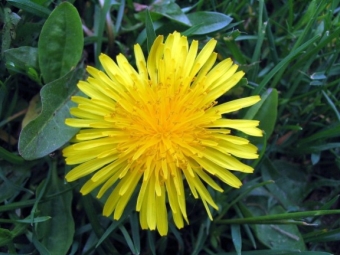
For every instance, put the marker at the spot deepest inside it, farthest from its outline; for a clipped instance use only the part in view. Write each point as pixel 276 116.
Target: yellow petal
pixel 236 105
pixel 161 214
pixel 88 167
pixel 126 191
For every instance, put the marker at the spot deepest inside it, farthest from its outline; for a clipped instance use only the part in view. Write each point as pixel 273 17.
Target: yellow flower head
pixel 154 127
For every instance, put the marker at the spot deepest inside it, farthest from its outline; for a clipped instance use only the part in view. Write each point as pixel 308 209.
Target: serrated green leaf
pixel 48 131
pixel 60 43
pixel 57 233
pixel 208 21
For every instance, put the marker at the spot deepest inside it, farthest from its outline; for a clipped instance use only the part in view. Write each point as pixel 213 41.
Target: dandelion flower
pixel 158 126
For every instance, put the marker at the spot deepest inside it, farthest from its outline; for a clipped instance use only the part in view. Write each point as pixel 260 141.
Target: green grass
pixel 290 53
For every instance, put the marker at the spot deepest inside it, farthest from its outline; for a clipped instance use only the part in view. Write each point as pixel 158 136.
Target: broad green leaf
pixel 23 57
pixel 27 32
pixel 290 182
pixel 48 131
pixel 208 21
pixel 23 60
pixel 57 233
pixel 60 43
pixel 170 10
pixel 31 7
pixel 33 111
pixel 190 31
pixel 285 237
